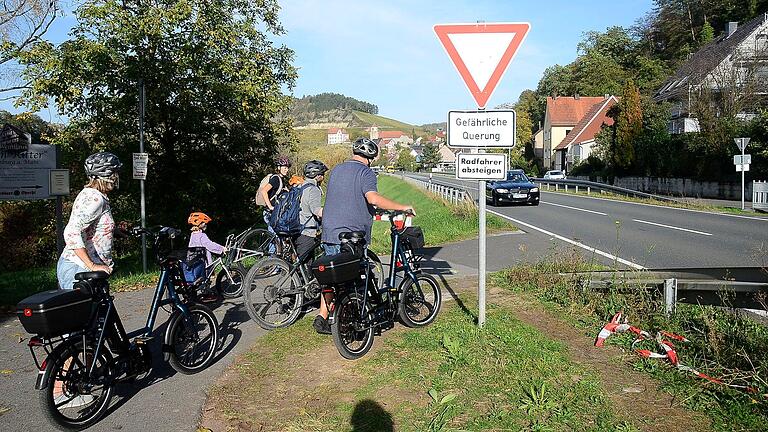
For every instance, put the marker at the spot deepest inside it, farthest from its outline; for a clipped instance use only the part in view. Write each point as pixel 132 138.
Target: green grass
pixel 15 286
pixel 312 136
pixel 440 221
pixel 722 343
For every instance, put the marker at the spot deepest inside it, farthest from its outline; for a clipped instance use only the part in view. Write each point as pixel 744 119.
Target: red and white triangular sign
pixel 481 52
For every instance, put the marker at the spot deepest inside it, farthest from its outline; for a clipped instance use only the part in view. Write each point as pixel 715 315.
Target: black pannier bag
pixel 56 312
pixel 412 238
pixel 336 269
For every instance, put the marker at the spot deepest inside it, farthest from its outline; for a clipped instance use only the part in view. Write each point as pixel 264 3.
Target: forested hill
pixel 327 109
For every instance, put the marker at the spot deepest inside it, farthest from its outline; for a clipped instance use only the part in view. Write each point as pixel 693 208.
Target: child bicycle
pixel 361 307
pixel 86 350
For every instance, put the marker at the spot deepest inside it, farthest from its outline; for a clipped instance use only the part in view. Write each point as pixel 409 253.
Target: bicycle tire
pixel 67 355
pixel 419 306
pixel 260 294
pixel 183 334
pixel 351 342
pixel 231 288
pixel 255 245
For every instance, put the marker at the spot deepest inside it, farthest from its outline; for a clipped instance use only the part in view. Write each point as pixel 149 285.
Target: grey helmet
pixel 314 168
pixel 365 148
pixel 102 165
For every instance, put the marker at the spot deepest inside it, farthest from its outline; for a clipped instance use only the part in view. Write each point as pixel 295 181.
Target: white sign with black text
pixel 742 159
pixel 25 175
pixel 482 129
pixel 140 161
pixel 481 166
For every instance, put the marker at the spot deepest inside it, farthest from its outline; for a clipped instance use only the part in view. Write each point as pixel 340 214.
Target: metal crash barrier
pixel 760 195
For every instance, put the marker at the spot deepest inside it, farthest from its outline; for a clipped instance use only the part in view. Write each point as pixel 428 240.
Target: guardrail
pixel 737 287
pixel 450 193
pixel 760 195
pixel 590 186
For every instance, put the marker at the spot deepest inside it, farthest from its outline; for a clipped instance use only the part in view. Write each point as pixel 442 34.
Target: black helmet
pixel 365 148
pixel 102 165
pixel 314 168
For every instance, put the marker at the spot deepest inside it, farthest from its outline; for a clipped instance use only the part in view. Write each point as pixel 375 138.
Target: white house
pixel 337 136
pixel 577 145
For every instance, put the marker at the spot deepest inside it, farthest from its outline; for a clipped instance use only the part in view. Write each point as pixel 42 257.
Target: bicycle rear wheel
pixel 271 294
pixel 257 244
pixel 352 327
pixel 419 301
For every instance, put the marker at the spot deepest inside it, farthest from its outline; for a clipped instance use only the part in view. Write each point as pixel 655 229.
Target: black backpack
pixel 285 217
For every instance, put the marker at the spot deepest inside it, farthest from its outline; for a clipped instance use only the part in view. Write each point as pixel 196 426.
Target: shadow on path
pixel 369 416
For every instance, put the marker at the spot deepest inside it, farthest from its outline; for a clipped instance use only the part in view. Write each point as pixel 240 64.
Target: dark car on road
pixel 516 188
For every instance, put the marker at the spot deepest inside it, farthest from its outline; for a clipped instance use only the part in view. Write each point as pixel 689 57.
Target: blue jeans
pixel 331 249
pixel 66 271
pixel 267 215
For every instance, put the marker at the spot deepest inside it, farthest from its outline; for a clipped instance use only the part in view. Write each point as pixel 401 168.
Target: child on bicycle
pixel 199 239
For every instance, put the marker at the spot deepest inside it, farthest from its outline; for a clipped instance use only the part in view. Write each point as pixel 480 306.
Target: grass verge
pixel 448 376
pixel 723 343
pixel 442 222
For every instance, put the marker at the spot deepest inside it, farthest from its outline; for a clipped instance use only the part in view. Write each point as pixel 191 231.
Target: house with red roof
pixel 337 136
pixel 577 144
pixel 562 115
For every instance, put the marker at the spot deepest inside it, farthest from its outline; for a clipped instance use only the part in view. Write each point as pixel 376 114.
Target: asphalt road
pixel 639 235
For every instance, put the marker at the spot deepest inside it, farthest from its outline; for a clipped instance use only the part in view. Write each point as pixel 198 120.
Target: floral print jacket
pixel 91 227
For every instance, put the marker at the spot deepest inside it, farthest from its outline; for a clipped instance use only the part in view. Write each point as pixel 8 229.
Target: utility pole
pixel 141 182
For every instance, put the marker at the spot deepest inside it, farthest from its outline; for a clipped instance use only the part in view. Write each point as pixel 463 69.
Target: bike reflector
pixel 27 312
pixel 321 268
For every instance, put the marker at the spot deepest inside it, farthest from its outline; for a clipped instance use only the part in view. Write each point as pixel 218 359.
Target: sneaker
pixel 321 325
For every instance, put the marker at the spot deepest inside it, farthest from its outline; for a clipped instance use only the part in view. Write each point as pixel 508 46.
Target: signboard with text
pixel 25 175
pixel 140 161
pixel 482 129
pixel 481 166
pixel 742 159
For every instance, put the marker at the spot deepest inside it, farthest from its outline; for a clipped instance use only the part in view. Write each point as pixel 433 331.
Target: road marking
pixel 673 227
pixel 575 208
pixel 573 242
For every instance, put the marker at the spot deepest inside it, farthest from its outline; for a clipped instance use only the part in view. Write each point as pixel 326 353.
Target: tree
pixel 629 126
pixel 406 161
pixel 214 111
pixel 430 157
pixel 706 34
pixel 22 24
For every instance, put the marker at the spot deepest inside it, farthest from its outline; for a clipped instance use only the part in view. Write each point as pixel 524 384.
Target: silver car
pixel 554 175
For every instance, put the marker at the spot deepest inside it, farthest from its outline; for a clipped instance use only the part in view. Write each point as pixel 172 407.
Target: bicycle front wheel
pixel 256 245
pixel 352 327
pixel 419 301
pixel 192 339
pixel 272 294
pixel 229 282
pixel 73 399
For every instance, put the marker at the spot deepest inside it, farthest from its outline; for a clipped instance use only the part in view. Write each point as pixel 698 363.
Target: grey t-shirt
pixel 310 206
pixel 346 208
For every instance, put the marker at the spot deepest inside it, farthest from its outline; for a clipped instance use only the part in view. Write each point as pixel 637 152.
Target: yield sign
pixel 481 52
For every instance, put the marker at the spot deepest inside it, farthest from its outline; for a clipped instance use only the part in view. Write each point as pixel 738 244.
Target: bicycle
pixel 87 350
pixel 362 308
pixel 229 279
pixel 275 291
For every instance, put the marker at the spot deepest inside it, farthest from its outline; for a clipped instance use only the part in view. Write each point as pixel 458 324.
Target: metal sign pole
pixel 59 210
pixel 742 175
pixel 141 182
pixel 482 245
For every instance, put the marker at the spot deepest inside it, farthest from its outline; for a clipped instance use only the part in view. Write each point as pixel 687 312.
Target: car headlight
pixel 534 189
pixel 502 190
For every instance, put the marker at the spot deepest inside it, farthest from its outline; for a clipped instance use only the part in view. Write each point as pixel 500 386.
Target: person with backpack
pixel 195 267
pixel 350 198
pixel 310 205
pixel 271 187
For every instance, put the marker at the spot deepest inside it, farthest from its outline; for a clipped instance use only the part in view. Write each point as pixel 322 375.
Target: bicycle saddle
pixel 352 236
pixel 91 275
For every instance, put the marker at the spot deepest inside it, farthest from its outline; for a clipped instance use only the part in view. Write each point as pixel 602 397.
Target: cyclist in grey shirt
pixel 311 205
pixel 349 206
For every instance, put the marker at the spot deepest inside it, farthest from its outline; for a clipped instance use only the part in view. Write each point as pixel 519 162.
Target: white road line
pixel 573 242
pixel 672 227
pixel 575 208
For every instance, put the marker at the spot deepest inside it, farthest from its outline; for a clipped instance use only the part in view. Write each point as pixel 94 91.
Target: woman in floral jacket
pixel 90 230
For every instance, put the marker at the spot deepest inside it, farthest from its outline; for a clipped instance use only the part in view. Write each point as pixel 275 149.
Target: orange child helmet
pixel 198 218
pixel 296 181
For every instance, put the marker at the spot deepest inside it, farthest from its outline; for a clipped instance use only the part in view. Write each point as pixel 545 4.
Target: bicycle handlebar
pixel 393 212
pixel 156 232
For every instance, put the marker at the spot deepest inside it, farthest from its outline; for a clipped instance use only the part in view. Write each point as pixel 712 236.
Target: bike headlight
pixel 502 190
pixel 534 189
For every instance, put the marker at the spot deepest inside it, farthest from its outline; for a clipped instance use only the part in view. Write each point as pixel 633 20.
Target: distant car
pixel 391 169
pixel 554 175
pixel 516 188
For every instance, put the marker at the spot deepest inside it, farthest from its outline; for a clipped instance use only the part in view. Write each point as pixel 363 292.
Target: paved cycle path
pixel 169 401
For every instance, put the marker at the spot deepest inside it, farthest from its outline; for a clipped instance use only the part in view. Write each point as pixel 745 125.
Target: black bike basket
pixel 336 269
pixel 56 312
pixel 412 238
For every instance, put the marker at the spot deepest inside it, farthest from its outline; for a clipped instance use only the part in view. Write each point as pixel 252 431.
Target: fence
pixel 590 186
pixel 760 195
pixel 452 194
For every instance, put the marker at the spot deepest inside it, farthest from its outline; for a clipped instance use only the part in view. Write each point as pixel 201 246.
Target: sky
pixel 386 52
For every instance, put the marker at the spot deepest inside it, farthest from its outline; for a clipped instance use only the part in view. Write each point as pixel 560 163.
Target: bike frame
pixel 299 266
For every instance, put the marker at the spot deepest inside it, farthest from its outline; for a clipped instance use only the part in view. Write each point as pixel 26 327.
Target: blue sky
pixel 386 53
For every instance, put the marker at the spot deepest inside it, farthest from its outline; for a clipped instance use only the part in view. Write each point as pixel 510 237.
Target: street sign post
pixel 59 182
pixel 481 53
pixel 481 166
pixel 741 160
pixel 742 164
pixel 25 175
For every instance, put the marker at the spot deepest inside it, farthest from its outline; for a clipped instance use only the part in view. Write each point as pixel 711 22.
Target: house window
pixel 567 131
pixel 761 44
